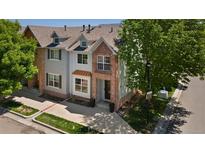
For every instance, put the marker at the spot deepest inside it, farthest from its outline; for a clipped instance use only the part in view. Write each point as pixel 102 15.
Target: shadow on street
pixel 179 118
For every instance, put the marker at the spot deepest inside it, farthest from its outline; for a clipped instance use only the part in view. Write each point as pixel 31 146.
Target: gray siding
pixel 75 66
pixel 58 67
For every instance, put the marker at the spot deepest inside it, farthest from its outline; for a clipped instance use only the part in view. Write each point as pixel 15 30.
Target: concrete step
pixel 103 105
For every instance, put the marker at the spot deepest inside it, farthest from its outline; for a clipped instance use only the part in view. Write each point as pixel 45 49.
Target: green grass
pixel 65 125
pixel 18 107
pixel 171 92
pixel 143 118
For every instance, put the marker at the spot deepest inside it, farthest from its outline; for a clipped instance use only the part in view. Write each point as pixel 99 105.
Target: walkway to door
pixel 97 118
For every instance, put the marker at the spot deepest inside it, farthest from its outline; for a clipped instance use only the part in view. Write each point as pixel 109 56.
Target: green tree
pixel 175 49
pixel 16 57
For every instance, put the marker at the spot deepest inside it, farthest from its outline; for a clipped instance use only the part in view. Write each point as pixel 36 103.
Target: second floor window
pixel 53 80
pixel 103 63
pixel 82 59
pixel 54 54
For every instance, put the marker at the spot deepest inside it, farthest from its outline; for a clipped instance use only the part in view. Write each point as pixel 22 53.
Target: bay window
pixel 81 85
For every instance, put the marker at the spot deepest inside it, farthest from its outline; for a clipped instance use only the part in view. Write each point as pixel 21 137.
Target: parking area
pixel 10 126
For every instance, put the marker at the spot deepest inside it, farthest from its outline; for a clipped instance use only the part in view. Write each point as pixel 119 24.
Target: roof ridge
pixel 44 26
pixel 112 24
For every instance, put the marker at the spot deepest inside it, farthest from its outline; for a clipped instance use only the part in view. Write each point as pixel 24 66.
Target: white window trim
pixel 82 59
pixel 103 62
pixel 54 59
pixel 55 41
pixel 81 43
pixel 53 80
pixel 81 85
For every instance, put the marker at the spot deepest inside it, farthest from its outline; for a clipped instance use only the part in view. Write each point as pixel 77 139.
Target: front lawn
pixel 142 117
pixel 18 107
pixel 65 125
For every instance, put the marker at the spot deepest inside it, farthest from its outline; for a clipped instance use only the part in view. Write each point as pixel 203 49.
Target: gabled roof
pixel 73 34
pixel 54 34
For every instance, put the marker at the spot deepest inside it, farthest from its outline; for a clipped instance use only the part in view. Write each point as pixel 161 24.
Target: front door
pixel 107 90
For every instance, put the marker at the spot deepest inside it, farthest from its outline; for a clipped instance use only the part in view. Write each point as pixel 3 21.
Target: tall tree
pixel 175 49
pixel 16 57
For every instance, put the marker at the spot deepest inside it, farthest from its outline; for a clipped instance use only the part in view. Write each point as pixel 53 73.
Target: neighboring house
pixel 79 62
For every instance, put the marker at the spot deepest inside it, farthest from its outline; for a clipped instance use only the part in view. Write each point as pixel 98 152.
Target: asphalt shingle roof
pixel 44 35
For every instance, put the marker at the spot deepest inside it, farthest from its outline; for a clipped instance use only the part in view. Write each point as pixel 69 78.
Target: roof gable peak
pixel 54 34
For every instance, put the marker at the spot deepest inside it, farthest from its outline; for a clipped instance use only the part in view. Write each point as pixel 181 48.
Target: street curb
pixel 48 126
pixel 163 123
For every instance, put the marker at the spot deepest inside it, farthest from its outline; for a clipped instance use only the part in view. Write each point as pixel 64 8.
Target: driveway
pixel 189 115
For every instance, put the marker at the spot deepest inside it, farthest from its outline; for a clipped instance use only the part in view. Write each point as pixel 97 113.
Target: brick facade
pixel 39 79
pixel 112 76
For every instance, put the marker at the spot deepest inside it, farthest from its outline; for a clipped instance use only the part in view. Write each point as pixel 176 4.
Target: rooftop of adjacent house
pixel 69 35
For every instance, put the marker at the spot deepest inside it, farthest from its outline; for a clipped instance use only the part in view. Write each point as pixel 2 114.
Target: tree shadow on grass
pixel 144 116
pixel 179 119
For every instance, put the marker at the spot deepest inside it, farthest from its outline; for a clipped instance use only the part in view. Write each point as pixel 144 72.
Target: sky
pixel 68 22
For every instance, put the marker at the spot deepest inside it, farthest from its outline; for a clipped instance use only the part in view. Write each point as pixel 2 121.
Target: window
pixel 54 54
pixel 81 85
pixel 103 63
pixel 83 44
pixel 56 40
pixel 53 80
pixel 82 59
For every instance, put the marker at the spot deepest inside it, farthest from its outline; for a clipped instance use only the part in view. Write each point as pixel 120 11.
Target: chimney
pixel 83 28
pixel 111 30
pixel 89 28
pixel 65 27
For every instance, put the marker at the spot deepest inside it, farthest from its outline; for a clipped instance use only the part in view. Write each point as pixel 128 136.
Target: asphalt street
pixel 10 126
pixel 189 116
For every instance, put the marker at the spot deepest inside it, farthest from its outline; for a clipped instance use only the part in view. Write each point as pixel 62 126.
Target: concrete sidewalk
pixel 32 99
pixel 97 118
pixel 162 125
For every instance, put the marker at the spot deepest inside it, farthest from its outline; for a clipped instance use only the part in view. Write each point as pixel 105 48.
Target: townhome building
pixel 79 62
